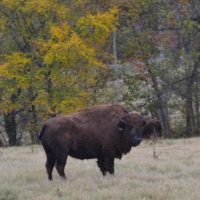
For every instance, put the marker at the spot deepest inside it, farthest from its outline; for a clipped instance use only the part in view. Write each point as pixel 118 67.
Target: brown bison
pixel 104 132
pixel 152 129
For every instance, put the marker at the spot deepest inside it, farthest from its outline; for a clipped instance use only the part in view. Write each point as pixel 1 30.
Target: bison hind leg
pixel 50 165
pixel 60 166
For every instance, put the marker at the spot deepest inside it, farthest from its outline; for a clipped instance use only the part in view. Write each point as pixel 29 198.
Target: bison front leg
pixel 101 166
pixel 111 166
pixel 106 164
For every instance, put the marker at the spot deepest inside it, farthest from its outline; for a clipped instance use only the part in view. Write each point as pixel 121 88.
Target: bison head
pixel 131 126
pixel 152 129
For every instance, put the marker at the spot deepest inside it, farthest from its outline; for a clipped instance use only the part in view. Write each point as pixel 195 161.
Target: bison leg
pixel 106 164
pixel 110 165
pixel 50 165
pixel 100 163
pixel 60 166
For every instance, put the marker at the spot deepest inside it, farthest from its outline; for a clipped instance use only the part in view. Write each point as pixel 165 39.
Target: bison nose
pixel 136 137
pixel 136 141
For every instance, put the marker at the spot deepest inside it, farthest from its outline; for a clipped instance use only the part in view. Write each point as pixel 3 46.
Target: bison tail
pixel 41 132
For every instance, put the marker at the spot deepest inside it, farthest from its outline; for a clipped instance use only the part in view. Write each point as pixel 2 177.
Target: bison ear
pixel 121 125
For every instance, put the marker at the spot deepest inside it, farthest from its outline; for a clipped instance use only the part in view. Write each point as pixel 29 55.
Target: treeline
pixel 60 56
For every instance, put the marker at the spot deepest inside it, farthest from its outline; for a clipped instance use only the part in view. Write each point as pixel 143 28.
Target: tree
pixel 50 64
pixel 160 39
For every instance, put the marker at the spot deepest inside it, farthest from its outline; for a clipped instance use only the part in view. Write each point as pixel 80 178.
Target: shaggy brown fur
pixel 153 128
pixel 104 132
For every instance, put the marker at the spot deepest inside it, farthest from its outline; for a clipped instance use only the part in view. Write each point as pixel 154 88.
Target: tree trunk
pixel 162 105
pixel 49 88
pixel 117 83
pixel 191 124
pixel 190 119
pixel 11 128
pixel 33 128
pixel 197 95
pixel 197 107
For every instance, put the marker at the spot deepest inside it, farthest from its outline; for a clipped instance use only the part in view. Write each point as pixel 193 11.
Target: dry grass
pixel 174 175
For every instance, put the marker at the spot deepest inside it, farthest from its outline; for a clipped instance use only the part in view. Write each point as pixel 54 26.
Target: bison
pixel 152 129
pixel 102 132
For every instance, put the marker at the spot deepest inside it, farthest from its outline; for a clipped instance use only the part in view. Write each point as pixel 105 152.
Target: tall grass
pixel 174 175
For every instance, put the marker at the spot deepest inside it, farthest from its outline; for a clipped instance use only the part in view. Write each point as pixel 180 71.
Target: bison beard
pixel 104 132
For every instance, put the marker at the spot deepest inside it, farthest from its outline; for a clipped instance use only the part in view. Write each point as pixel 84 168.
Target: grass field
pixel 174 175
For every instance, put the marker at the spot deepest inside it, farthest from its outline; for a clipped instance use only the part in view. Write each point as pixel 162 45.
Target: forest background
pixel 58 56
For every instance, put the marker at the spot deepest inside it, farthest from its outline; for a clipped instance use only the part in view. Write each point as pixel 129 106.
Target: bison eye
pixel 128 126
pixel 121 126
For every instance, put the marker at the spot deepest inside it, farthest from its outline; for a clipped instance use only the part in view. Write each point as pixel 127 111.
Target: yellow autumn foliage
pixel 53 61
pixel 67 50
pixel 95 29
pixel 15 67
pixel 60 33
pixel 72 104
